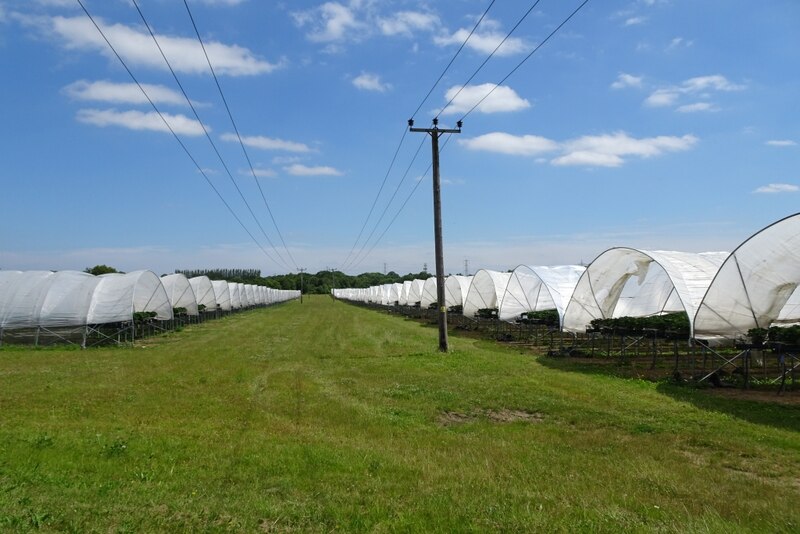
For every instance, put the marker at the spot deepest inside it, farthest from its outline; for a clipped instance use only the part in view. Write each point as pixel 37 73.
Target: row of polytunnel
pixel 46 299
pixel 724 294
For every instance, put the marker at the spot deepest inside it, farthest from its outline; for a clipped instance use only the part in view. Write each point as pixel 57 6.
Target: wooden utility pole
pixel 435 133
pixel 302 270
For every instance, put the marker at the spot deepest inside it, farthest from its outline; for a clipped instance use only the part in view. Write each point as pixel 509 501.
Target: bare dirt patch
pixel 791 398
pixel 503 415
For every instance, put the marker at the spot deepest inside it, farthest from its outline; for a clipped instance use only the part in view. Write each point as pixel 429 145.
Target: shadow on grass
pixel 759 406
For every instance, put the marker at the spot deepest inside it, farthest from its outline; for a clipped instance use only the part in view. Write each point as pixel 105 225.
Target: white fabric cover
pixel 204 292
pixel 395 290
pixel 404 293
pixel 629 282
pixel 222 294
pixel 21 297
pixel 456 288
pixel 415 292
pixel 429 295
pixel 250 294
pixel 485 291
pixel 68 299
pixel 180 292
pixel 118 296
pixel 756 286
pixel 236 296
pixel 536 288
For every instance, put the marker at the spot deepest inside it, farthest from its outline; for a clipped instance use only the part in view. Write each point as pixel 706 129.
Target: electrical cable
pixel 208 136
pixel 236 129
pixel 175 135
pixel 526 58
pixel 536 3
pixel 400 144
pixel 391 222
pixel 378 222
pixel 460 48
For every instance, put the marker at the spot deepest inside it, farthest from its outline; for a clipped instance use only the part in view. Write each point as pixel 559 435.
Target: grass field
pixel 328 417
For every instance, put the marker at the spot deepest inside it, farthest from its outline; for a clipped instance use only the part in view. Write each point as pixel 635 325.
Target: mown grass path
pixel 327 417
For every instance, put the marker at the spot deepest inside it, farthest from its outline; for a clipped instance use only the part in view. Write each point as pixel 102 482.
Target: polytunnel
pixel 536 288
pixel 386 290
pixel 429 295
pixel 628 282
pixel 395 290
pixel 455 290
pixel 756 285
pixel 180 292
pixel 44 299
pixel 404 293
pixel 118 296
pixel 204 292
pixel 236 295
pixel 250 294
pixel 485 291
pixel 415 292
pixel 222 294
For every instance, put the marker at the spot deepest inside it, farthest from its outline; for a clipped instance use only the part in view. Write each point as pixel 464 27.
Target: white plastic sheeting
pixel 756 286
pixel 118 296
pixel 415 292
pixel 536 288
pixel 395 291
pixel 404 292
pixel 180 292
pixel 204 292
pixel 485 291
pixel 428 293
pixel 222 294
pixel 69 298
pixel 456 288
pixel 630 282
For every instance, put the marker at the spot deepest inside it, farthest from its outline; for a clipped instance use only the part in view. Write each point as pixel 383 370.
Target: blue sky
pixel 660 124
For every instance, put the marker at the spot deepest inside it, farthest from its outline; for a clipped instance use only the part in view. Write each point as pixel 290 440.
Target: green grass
pixel 324 416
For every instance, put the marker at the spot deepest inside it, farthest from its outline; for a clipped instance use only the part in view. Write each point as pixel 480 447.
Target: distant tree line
pixel 313 283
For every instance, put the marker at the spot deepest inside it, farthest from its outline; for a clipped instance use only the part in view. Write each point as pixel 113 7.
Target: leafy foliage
pixel 97 270
pixel 320 283
pixel 670 323
pixel 545 317
pixel 786 335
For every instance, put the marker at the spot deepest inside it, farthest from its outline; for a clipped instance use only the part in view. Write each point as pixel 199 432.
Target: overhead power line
pixel 485 61
pixel 414 189
pixel 507 76
pixel 238 136
pixel 400 144
pixel 460 48
pixel 175 135
pixel 208 136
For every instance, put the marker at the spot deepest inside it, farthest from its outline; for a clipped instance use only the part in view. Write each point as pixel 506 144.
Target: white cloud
pixel 679 42
pixel 484 42
pixel 626 80
pixel 501 99
pixel 285 160
pixel 781 142
pixel 777 188
pixel 700 85
pixel 138 48
pixel 303 170
pixel 634 21
pixel 267 143
pixel 715 82
pixel 662 98
pixel 122 93
pixel 330 22
pixel 370 82
pixel 696 107
pixel 137 120
pixel 406 22
pixel 610 150
pixel 504 143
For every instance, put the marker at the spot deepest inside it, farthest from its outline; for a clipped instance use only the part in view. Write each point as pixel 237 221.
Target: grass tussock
pixel 324 416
